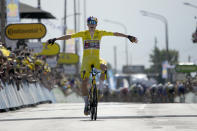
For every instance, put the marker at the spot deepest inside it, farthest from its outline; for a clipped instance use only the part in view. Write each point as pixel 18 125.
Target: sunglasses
pixel 92 22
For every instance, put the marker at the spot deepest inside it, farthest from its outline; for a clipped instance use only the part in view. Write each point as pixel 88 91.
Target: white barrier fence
pixel 29 94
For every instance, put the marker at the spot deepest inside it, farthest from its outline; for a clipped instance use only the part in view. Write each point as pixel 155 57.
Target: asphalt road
pixel 111 117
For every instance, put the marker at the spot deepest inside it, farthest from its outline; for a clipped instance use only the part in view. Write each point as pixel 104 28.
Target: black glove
pixel 132 38
pixel 52 41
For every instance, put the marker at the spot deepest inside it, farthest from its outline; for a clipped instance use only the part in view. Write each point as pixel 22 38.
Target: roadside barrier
pixel 28 95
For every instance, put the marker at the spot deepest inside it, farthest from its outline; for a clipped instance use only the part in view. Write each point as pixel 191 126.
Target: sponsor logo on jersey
pixel 92 44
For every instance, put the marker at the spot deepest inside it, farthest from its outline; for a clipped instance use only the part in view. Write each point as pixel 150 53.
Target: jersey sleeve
pixel 106 33
pixel 79 34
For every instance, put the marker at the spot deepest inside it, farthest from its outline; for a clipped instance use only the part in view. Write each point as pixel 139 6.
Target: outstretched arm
pixel 52 41
pixel 120 34
pixel 131 38
pixel 66 37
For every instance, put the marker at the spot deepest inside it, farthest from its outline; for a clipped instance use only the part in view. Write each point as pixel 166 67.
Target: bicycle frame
pixel 93 94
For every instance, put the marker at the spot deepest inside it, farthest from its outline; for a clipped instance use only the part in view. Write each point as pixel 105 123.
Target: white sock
pixel 86 100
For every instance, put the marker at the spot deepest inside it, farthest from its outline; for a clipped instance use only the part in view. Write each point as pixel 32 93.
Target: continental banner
pixel 68 58
pixel 25 31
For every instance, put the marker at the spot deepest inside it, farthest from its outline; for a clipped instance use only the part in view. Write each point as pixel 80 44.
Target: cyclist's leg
pixel 84 87
pixel 85 76
pixel 85 69
pixel 103 69
pixel 101 65
pixel 84 90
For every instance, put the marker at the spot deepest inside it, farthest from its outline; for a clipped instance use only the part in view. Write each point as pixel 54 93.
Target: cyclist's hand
pixel 132 39
pixel 51 41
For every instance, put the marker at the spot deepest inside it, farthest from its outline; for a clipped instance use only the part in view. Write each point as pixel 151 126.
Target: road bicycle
pixel 93 93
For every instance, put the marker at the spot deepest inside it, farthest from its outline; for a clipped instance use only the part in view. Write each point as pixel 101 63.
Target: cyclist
pixel 91 45
pixel 181 91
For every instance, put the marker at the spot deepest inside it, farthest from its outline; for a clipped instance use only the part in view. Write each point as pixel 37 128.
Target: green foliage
pixel 157 57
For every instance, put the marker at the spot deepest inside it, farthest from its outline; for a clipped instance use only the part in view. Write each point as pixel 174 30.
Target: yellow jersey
pixel 91 46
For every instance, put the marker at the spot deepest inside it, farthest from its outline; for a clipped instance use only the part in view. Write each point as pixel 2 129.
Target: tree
pixel 157 57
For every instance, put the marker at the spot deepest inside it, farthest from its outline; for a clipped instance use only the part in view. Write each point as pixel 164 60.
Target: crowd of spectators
pixel 22 65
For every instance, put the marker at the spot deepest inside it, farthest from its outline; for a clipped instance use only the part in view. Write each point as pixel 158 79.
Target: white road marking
pixel 142 107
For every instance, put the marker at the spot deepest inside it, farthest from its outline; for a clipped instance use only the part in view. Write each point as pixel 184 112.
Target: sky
pixel 181 25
